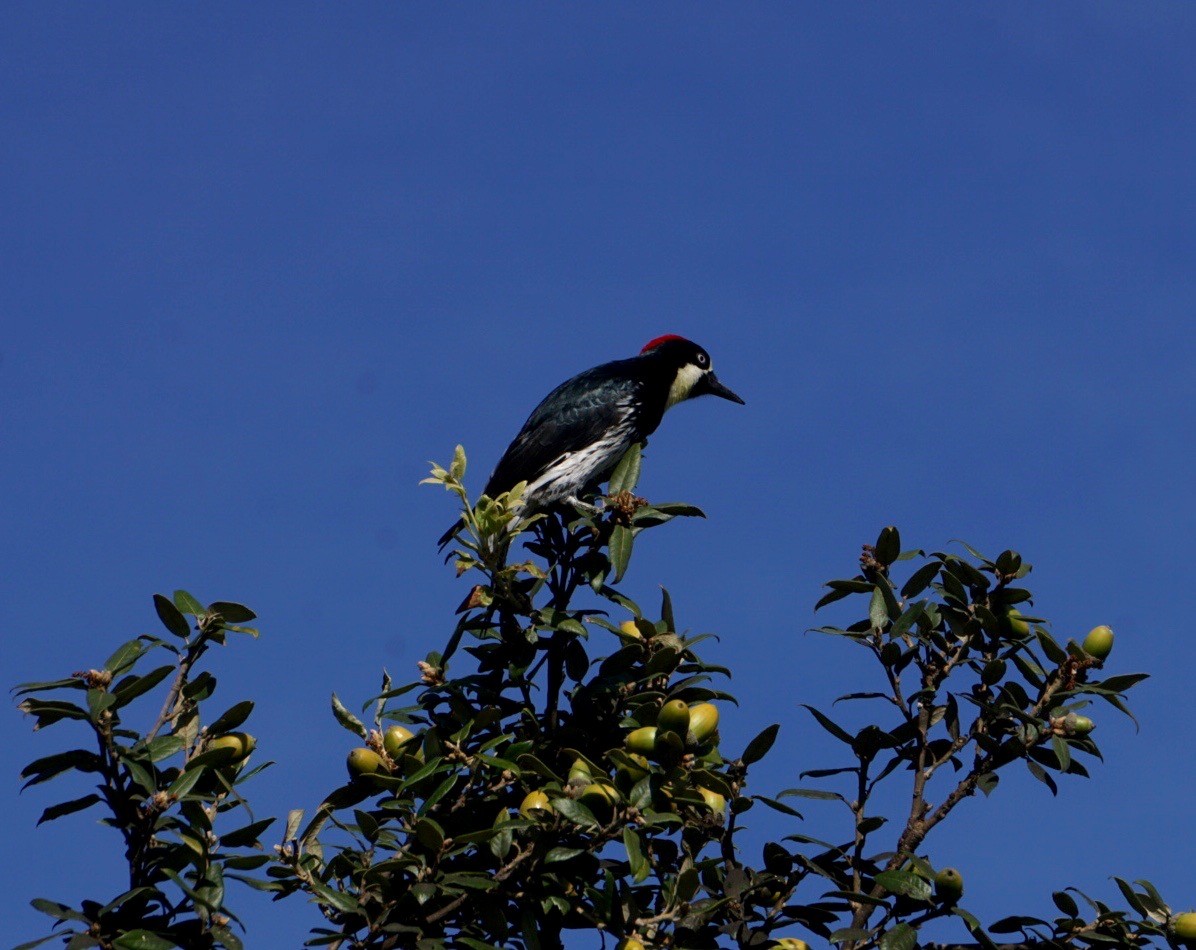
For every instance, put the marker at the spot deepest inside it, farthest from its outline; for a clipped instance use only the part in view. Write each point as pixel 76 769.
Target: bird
pixel 575 437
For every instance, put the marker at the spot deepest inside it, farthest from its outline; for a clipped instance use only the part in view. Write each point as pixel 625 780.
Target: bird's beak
pixel 711 385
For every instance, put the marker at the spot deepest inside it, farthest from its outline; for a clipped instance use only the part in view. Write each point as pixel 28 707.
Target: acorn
pixel 536 806
pixel 948 885
pixel 601 799
pixel 628 773
pixel 393 740
pixel 1013 617
pixel 642 740
pixel 629 628
pixel 363 762
pixel 668 748
pixel 714 801
pixel 1078 725
pixel 790 943
pixel 1099 642
pixel 579 772
pixel 674 717
pixel 703 721
pixel 630 943
pixel 1183 926
pixel 231 747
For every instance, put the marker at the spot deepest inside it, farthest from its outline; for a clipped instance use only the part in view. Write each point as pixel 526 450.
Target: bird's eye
pixel 703 359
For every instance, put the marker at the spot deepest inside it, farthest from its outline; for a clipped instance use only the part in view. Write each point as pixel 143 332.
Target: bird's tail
pixel 451 533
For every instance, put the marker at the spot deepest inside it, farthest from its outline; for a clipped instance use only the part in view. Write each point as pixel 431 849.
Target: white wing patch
pixel 568 475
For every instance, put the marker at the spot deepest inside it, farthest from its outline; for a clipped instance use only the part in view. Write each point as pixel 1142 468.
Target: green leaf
pixel 845 934
pixel 627 472
pixel 142 940
pixel 635 856
pixel 562 854
pixel 888 545
pixel 185 782
pixel 1066 903
pixel 575 812
pixel 429 834
pixel 905 883
pixel 44 769
pixel 987 782
pixel 621 540
pixel 500 844
pixel 901 937
pixel 141 776
pixel 124 657
pixel 227 938
pixel 1062 753
pixel 816 793
pixel 974 928
pixel 686 886
pixel 1014 924
pixel 49 712
pixel 230 612
pixel 188 604
pixel 247 836
pixel 1121 683
pixel 878 610
pixel 1132 897
pixel 347 719
pixel 338 900
pixel 294 820
pixel 38 942
pixel 920 580
pixel 58 911
pixel 231 718
pixel 1040 773
pixel 21 689
pixel 98 702
pixel 759 746
pixel 830 725
pixel 68 808
pixel 171 617
pixel 677 509
pixel 778 806
pixel 136 686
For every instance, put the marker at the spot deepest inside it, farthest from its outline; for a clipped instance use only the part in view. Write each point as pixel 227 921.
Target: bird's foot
pixel 584 505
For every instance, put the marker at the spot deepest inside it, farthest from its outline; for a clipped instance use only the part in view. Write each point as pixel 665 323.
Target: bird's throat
pixel 683 385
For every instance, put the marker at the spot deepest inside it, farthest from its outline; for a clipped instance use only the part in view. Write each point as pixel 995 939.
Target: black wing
pixel 572 416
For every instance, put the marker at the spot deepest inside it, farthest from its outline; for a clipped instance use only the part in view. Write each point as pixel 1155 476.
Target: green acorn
pixel 232 746
pixel 536 806
pixel 394 738
pixel 703 721
pixel 641 741
pixel 674 717
pixel 362 762
pixel 948 885
pixel 1099 642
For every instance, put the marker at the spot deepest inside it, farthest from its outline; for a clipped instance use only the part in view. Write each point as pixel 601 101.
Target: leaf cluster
pixel 171 790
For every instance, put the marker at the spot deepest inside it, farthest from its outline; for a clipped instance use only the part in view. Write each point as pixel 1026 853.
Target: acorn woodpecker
pixel 573 440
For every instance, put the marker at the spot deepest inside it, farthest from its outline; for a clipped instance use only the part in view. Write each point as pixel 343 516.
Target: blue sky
pixel 262 263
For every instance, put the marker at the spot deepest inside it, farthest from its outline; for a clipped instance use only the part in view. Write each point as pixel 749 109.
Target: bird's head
pixel 693 373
